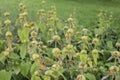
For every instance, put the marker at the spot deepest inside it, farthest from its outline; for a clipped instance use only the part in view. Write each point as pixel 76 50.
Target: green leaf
pixel 42 27
pixel 35 78
pixel 25 67
pixel 26 31
pixel 2 58
pixel 83 57
pixel 109 44
pixel 16 69
pixel 34 68
pixel 4 75
pixel 23 51
pixel 21 35
pixel 90 76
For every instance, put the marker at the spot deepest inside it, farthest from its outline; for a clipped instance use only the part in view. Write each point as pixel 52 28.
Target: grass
pixel 86 10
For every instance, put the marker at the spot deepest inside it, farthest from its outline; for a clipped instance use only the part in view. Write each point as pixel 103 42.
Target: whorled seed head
pixel 7 22
pixel 114 70
pixel 94 51
pixel 56 51
pixel 83 52
pixel 8 34
pixel 70 31
pixel 56 38
pixel 81 77
pixel 95 40
pixel 70 19
pixel 35 56
pixel 48 72
pixel 117 44
pixel 6 14
pixel 115 54
pixel 84 38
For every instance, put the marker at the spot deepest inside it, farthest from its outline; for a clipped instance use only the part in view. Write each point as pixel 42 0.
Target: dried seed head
pixel 35 56
pixel 81 77
pixel 56 51
pixel 83 52
pixel 7 22
pixel 56 38
pixel 6 14
pixel 94 51
pixel 8 34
